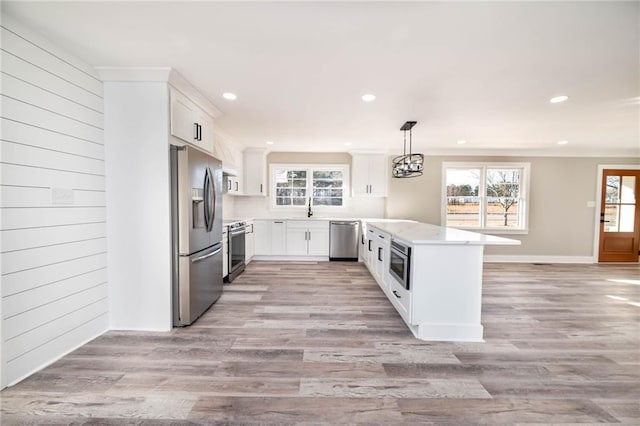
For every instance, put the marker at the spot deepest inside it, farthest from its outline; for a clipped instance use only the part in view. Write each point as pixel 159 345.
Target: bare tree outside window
pixel 503 188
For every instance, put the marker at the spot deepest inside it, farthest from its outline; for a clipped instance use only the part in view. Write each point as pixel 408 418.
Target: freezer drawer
pixel 199 284
pixel 343 240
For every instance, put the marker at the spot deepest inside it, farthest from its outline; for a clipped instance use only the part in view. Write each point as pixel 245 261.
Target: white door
pixel 318 242
pixel 297 241
pixel 378 176
pixel 183 113
pixel 278 237
pixel 206 131
pixel 360 175
pixel 262 237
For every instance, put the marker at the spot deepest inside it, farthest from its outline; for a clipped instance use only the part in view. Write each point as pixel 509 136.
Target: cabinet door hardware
pixel 380 254
pixel 195 128
pixel 370 241
pixel 261 188
pixel 237 187
pixel 395 293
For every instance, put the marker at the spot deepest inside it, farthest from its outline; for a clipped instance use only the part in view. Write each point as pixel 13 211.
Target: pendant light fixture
pixel 408 165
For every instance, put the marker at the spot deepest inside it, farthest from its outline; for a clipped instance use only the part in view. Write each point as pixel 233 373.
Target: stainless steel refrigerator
pixel 196 212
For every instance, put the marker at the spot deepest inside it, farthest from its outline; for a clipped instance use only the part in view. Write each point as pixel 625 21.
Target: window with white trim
pixel 485 196
pixel 293 184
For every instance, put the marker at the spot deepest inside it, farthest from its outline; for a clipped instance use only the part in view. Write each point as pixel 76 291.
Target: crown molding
pixel 159 75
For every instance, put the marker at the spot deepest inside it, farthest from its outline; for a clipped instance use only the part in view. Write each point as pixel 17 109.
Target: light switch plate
pixel 61 196
pixel 591 203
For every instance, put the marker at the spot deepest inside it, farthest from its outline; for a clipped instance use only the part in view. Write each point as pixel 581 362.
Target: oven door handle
pixel 399 254
pixel 242 231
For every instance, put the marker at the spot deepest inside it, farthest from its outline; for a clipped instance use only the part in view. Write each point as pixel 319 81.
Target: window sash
pixel 484 207
pixel 326 191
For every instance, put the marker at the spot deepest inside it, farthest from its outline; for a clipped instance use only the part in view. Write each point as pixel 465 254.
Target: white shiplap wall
pixel 53 254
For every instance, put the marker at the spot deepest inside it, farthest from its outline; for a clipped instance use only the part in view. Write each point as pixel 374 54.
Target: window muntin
pixel 290 187
pixel 619 207
pixel 293 185
pixel 485 195
pixel 328 188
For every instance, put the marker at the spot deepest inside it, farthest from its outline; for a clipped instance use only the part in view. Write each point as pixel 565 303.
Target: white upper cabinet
pixel 369 175
pixel 234 185
pixel 255 172
pixel 190 123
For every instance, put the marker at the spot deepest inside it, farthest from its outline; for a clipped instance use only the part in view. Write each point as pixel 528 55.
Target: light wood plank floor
pixel 318 343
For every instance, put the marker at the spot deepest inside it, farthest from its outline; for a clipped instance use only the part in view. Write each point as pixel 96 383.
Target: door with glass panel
pixel 620 216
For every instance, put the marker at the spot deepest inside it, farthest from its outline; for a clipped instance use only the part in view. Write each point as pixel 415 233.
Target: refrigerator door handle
pixel 212 198
pixel 207 212
pixel 206 256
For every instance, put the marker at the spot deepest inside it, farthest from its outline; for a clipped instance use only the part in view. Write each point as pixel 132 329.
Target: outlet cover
pixel 591 203
pixel 61 196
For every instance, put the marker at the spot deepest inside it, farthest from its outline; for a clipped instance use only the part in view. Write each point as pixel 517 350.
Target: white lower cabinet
pixel 401 298
pixel 225 251
pixel 376 256
pixel 307 238
pixel 381 259
pixel 270 237
pixel 250 242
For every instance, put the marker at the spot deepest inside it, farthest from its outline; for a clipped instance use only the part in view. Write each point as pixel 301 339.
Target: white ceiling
pixel 482 72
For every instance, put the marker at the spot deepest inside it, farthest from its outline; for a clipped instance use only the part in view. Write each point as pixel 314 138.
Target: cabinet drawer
pixel 401 299
pixel 308 224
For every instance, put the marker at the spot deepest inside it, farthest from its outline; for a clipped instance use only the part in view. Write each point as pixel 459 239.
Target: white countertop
pixel 227 222
pixel 424 233
pixel 344 219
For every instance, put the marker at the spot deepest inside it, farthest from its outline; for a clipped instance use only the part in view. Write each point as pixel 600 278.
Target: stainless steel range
pixel 237 244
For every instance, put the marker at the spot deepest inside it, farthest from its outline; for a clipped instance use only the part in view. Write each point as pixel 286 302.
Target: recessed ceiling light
pixel 563 142
pixel 558 99
pixel 230 96
pixel 269 142
pixel 368 97
pixel 461 142
pixel 348 143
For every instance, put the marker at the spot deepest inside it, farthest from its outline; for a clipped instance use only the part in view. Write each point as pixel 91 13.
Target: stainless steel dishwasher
pixel 343 240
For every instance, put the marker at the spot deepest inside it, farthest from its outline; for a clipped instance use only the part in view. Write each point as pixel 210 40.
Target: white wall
pixel 561 225
pixel 138 205
pixel 54 276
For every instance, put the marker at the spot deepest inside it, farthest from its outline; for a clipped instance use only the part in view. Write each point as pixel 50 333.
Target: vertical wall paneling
pixel 53 250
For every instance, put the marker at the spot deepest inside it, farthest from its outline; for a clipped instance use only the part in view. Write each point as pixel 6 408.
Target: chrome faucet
pixel 309 213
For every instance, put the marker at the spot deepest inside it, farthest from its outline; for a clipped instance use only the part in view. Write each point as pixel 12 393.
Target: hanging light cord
pixel 404 145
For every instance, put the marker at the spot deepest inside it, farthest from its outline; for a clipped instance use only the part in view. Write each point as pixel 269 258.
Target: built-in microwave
pixel 400 263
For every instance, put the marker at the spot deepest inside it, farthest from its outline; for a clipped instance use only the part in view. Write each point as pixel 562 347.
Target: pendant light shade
pixel 409 164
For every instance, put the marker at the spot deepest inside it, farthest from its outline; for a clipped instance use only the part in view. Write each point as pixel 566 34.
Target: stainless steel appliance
pixel 196 231
pixel 400 262
pixel 237 246
pixel 343 240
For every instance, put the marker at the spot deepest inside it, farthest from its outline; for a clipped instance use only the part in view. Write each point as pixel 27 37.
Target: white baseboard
pixel 448 332
pixel 292 258
pixel 497 258
pixel 51 361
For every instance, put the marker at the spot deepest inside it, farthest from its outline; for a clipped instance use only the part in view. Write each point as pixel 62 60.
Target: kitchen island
pixel 431 274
